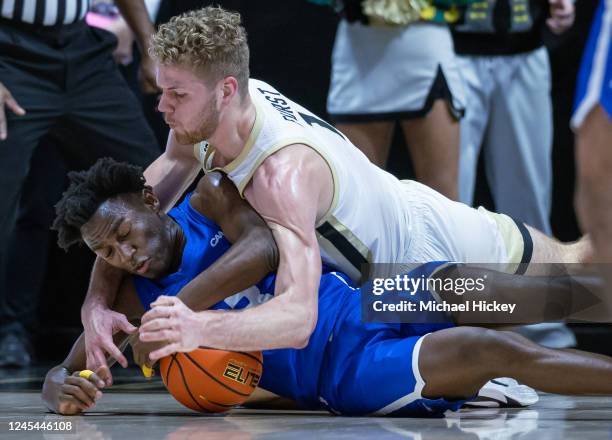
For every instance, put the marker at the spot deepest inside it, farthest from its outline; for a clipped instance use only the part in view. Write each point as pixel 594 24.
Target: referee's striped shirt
pixel 44 12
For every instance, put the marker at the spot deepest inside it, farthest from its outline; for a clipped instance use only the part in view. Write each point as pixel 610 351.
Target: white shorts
pixel 382 73
pixel 444 230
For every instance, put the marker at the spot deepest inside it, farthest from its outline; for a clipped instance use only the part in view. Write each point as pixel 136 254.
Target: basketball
pixel 209 380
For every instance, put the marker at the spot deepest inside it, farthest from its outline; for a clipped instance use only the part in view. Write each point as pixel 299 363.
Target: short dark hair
pixel 87 190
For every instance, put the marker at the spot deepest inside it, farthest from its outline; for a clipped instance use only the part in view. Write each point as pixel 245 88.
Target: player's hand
pixel 78 394
pixel 141 350
pixel 172 322
pixel 100 324
pixel 147 72
pixel 6 99
pixel 562 14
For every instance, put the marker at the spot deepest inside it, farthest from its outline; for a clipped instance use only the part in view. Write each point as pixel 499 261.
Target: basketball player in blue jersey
pixel 320 196
pixel 347 366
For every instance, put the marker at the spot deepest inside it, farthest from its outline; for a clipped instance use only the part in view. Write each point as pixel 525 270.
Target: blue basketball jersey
pixel 348 367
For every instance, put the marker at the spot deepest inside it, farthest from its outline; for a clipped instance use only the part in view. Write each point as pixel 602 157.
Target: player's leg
pixel 373 138
pixel 433 141
pixel 550 250
pixel 594 198
pixel 472 356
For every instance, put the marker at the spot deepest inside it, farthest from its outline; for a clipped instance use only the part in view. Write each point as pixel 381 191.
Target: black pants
pixel 66 80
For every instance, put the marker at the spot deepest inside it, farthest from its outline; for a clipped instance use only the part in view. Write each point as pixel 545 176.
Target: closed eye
pixel 123 234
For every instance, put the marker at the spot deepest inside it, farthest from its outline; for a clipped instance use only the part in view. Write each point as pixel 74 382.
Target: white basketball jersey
pixel 373 217
pixel 366 222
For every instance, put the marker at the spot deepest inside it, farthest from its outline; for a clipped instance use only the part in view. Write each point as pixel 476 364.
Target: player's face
pixel 128 232
pixel 189 103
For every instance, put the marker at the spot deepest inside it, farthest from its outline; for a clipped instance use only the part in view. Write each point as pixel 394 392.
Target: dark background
pixel 291 43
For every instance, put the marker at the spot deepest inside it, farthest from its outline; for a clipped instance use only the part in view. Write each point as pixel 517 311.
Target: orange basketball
pixel 209 380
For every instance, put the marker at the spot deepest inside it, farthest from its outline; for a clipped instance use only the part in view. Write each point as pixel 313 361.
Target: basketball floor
pixel 140 410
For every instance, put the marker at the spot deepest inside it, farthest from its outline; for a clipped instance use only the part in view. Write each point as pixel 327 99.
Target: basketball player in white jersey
pixel 318 193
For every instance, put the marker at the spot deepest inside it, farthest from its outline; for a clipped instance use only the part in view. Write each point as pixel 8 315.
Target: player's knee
pixel 489 349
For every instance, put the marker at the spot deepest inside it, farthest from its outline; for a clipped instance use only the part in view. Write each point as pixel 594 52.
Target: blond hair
pixel 211 40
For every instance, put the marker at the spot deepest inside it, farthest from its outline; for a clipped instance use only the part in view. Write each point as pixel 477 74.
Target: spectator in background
pixel 57 78
pixel 507 81
pixel 389 67
pixel 509 110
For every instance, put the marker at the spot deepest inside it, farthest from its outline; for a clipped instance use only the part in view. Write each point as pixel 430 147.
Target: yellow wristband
pixel 85 374
pixel 148 372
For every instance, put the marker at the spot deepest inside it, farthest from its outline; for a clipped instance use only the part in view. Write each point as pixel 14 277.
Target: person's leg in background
pixel 518 156
pixel 15 154
pixel 373 138
pixel 592 121
pixel 373 85
pixel 518 144
pixel 594 194
pixel 27 269
pixel 477 85
pixel 433 141
pixel 31 71
pixel 105 118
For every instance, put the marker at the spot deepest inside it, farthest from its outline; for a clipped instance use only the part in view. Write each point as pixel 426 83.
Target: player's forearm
pixel 135 14
pixel 286 321
pixel 246 263
pixel 170 177
pixel 273 325
pixel 103 286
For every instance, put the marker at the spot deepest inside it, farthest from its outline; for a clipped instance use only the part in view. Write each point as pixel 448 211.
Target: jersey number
pixel 313 120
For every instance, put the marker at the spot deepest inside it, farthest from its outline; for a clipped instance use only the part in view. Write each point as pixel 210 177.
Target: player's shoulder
pixel 212 191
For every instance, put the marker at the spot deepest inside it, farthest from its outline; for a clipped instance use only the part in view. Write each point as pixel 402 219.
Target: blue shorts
pixel 594 85
pixel 373 369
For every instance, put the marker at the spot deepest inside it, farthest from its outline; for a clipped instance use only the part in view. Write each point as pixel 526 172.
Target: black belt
pixel 54 33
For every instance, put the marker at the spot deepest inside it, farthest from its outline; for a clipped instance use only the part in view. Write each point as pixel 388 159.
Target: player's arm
pixel 172 172
pixel 251 257
pixel 64 392
pixel 169 175
pixel 137 17
pixel 285 190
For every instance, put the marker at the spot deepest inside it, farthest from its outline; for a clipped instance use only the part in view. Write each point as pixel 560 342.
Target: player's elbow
pixel 261 238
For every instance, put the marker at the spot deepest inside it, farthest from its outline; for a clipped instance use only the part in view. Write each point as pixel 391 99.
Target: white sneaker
pixel 504 392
